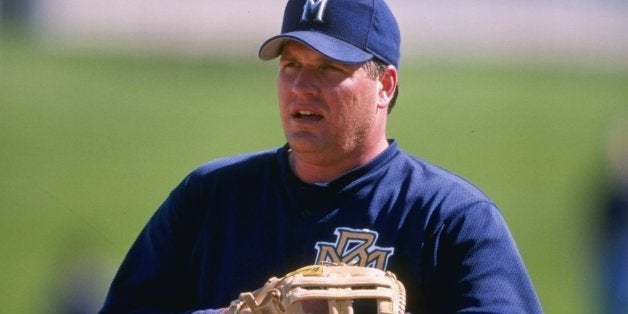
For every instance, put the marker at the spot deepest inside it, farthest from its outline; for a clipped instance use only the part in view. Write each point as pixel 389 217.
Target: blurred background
pixel 106 105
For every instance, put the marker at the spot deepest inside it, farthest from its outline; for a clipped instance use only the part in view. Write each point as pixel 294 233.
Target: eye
pixel 289 67
pixel 330 67
pixel 289 63
pixel 292 65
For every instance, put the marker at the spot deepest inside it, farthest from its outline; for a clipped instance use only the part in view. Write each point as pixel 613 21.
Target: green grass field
pixel 91 145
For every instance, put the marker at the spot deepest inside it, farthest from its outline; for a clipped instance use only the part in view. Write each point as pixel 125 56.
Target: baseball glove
pixel 326 288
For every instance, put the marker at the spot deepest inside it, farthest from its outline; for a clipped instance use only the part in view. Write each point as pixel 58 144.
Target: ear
pixel 388 81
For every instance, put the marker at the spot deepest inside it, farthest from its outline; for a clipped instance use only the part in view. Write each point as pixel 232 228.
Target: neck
pixel 313 169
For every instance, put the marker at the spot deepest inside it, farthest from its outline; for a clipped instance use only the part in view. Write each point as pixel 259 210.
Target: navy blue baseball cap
pixel 347 31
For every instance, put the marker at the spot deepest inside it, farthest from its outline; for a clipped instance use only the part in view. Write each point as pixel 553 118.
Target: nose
pixel 305 81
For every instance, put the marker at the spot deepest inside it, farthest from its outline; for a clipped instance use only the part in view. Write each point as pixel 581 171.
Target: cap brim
pixel 333 48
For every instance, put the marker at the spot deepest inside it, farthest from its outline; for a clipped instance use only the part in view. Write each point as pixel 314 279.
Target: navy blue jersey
pixel 233 223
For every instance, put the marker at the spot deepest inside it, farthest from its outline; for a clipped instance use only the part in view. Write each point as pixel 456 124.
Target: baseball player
pixel 339 191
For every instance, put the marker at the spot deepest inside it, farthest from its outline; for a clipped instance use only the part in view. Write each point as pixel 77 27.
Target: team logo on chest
pixel 354 246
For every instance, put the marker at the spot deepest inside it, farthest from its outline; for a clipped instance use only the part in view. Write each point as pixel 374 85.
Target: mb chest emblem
pixel 354 246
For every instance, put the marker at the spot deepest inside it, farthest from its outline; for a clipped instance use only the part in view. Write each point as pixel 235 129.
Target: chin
pixel 302 145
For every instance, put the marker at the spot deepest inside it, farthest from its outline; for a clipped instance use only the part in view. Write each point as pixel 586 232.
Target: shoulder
pixel 222 177
pixel 241 163
pixel 443 199
pixel 232 170
pixel 455 208
pixel 440 185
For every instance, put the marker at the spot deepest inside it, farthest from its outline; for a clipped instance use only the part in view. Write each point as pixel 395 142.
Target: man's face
pixel 328 109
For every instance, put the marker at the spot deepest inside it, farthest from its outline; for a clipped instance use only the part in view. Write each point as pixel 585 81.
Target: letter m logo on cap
pixel 314 8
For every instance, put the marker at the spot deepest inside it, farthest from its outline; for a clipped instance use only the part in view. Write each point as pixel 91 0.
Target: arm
pixel 155 276
pixel 476 266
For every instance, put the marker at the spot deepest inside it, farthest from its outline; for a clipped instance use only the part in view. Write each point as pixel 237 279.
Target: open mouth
pixel 307 115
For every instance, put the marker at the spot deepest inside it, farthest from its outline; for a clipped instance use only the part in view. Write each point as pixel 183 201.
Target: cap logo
pixel 314 8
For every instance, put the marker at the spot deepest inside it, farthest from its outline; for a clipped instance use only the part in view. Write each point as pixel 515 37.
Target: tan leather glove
pixel 326 288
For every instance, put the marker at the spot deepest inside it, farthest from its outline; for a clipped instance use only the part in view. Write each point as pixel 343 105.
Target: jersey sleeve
pixel 476 266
